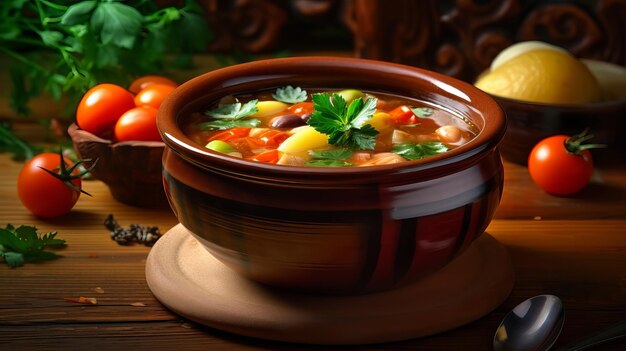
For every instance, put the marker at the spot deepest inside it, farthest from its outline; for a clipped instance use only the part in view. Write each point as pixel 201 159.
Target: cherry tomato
pixel 153 95
pixel 44 194
pixel 142 82
pixel 101 107
pixel 557 170
pixel 139 124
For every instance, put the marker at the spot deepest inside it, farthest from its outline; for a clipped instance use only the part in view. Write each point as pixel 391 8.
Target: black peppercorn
pixel 135 233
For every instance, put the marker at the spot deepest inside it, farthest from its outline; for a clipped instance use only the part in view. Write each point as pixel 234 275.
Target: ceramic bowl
pixel 340 230
pixel 529 123
pixel 131 169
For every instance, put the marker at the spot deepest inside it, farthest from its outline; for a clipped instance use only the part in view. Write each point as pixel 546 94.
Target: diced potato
pixel 269 108
pixel 381 121
pixel 292 160
pixel 306 138
pixel 401 137
pixel 350 94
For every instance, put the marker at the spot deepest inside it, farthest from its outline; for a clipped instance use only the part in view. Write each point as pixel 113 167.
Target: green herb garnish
pixel 231 116
pixel 23 244
pixel 234 111
pixel 330 158
pixel 290 95
pixel 223 124
pixel 344 124
pixel 20 149
pixel 66 47
pixel 420 150
pixel 422 111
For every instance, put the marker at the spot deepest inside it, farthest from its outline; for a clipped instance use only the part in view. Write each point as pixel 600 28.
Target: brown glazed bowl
pixel 131 169
pixel 340 230
pixel 529 123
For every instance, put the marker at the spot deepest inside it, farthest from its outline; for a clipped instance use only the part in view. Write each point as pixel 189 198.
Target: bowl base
pixel 191 282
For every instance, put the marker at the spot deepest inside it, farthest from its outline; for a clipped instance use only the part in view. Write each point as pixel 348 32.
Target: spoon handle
pixel 614 332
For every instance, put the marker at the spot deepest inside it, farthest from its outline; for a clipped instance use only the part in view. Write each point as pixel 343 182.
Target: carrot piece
pixel 270 156
pixel 230 134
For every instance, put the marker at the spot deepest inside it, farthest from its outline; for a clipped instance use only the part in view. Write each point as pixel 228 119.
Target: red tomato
pixel 102 106
pixel 42 193
pixel 153 95
pixel 559 171
pixel 403 115
pixel 138 124
pixel 301 108
pixel 142 82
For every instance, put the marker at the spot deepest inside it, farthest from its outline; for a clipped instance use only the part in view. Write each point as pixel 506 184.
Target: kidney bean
pixel 305 117
pixel 287 121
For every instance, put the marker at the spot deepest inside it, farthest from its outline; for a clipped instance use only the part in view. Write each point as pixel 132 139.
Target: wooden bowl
pixel 529 123
pixel 340 230
pixel 131 169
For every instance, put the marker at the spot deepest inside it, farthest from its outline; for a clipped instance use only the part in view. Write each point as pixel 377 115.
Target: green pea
pixel 350 94
pixel 220 146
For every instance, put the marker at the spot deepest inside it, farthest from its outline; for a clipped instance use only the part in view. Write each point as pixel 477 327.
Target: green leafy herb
pixel 330 158
pixel 344 124
pixel 20 149
pixel 23 244
pixel 290 95
pixel 422 111
pixel 223 124
pixel 420 150
pixel 231 116
pixel 234 111
pixel 64 47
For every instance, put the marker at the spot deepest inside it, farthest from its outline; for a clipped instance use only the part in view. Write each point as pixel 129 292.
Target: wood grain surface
pixel 573 247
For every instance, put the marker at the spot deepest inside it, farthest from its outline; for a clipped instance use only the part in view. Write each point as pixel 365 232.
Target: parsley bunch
pixel 64 47
pixel 344 124
pixel 23 244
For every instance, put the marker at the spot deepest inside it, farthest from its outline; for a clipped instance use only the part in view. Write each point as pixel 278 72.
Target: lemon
pixel 542 75
pixel 521 48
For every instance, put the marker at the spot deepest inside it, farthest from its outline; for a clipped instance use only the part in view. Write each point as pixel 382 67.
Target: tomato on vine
pixel 562 165
pixel 49 184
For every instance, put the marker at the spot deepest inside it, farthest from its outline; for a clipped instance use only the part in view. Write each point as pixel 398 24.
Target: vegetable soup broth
pixel 261 128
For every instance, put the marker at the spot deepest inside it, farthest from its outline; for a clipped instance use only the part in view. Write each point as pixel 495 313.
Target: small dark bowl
pixel 339 230
pixel 529 123
pixel 131 169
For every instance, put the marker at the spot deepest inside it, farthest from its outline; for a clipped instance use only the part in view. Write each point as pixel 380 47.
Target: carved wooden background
pixel 456 37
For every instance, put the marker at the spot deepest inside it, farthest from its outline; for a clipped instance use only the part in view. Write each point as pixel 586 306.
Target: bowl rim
pixel 480 102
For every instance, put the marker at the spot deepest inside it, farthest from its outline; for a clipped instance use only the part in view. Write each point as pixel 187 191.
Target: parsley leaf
pixel 344 124
pixel 234 111
pixel 422 111
pixel 223 124
pixel 23 244
pixel 290 94
pixel 231 116
pixel 330 158
pixel 420 150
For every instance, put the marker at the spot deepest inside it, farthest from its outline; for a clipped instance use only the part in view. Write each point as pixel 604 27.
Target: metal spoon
pixel 535 324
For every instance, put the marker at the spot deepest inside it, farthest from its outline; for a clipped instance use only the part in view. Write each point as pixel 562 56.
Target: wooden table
pixel 572 247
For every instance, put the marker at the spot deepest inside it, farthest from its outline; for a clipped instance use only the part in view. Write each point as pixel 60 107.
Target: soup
pixel 326 128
